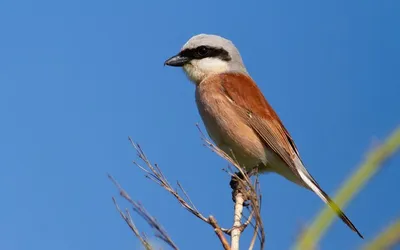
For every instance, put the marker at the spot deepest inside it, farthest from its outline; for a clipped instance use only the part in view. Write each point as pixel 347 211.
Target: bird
pixel 237 116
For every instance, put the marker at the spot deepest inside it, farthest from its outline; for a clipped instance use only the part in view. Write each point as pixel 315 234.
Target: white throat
pixel 198 70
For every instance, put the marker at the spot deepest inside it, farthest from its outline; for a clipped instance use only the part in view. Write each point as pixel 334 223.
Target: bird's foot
pixel 234 183
pixel 237 187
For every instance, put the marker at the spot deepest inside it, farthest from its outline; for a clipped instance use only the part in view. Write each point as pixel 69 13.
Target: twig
pixel 139 209
pixel 128 219
pixel 248 221
pixel 187 196
pixel 254 238
pixel 252 193
pixel 160 232
pixel 219 233
pixel 155 174
pixel 246 191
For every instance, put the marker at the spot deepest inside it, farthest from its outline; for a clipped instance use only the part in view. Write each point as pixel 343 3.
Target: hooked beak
pixel 177 61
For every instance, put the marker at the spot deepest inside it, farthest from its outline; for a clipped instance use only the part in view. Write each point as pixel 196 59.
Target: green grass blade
pixel 350 188
pixel 387 239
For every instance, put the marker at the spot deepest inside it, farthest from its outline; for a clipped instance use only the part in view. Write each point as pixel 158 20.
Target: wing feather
pixel 260 116
pixel 257 112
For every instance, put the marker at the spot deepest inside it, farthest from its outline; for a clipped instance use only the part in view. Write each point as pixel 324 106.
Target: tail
pixel 313 185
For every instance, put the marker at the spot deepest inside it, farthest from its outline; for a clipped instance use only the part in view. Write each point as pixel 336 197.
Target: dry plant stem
pixel 237 230
pixel 248 191
pixel 140 210
pixel 128 219
pixel 244 225
pixel 155 174
pixel 252 193
pixel 254 238
pixel 219 233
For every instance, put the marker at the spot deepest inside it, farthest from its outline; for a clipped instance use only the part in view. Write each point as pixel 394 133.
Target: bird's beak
pixel 177 61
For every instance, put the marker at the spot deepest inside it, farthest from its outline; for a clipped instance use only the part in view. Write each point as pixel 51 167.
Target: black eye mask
pixel 206 51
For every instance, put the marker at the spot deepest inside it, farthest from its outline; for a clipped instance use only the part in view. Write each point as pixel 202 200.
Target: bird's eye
pixel 202 51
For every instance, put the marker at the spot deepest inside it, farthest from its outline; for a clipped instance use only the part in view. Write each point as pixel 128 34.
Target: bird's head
pixel 204 55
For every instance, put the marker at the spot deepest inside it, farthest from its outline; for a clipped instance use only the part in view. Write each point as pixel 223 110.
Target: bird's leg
pixel 253 171
pixel 235 185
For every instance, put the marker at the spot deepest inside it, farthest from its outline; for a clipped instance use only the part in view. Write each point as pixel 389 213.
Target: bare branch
pixel 128 219
pixel 161 233
pixel 246 190
pixel 248 221
pixel 155 174
pixel 219 233
pixel 254 238
pixel 187 196
pixel 140 210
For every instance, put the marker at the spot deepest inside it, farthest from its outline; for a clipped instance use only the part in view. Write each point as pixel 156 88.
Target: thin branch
pixel 187 196
pixel 246 191
pixel 219 233
pixel 159 178
pixel 128 219
pixel 254 238
pixel 248 221
pixel 160 232
pixel 155 174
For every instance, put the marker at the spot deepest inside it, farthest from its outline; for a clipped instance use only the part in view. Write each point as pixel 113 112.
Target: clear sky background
pixel 78 77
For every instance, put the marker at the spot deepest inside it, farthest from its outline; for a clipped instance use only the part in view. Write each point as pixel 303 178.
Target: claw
pixel 234 183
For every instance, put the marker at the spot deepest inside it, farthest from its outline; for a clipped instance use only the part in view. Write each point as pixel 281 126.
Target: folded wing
pixel 260 116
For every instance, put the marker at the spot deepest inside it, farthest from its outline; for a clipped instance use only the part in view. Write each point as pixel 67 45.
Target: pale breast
pixel 226 128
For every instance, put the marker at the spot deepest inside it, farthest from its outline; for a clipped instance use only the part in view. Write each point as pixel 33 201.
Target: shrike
pixel 237 116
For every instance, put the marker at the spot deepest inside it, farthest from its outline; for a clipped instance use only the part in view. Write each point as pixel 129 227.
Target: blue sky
pixel 79 77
